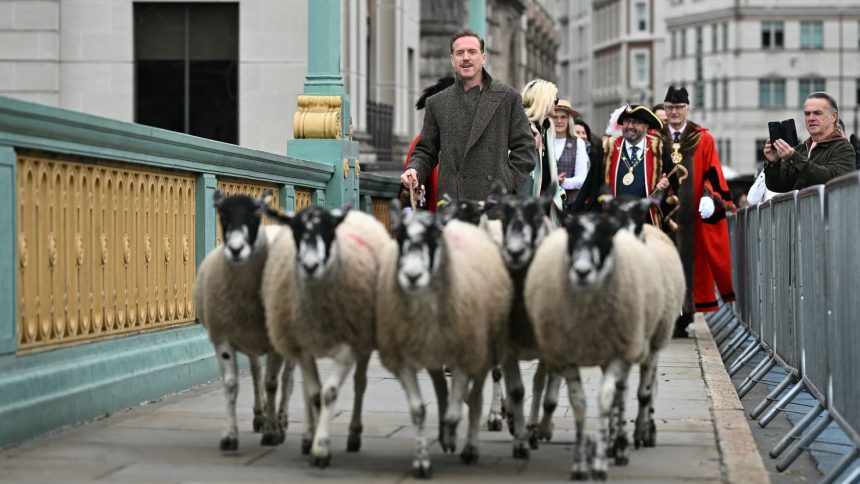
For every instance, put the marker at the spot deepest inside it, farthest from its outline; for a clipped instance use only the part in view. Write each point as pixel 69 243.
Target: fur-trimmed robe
pixel 703 244
pixel 653 167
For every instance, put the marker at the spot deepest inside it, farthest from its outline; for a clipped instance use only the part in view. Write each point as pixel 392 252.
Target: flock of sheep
pixel 478 286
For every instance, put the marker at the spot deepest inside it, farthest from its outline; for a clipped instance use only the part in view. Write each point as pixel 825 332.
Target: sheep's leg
pixel 344 360
pixel 605 404
pixel 286 392
pixel 311 385
pixel 550 402
pixel 576 394
pixel 230 374
pixel 259 420
pixel 619 442
pixel 273 432
pixel 645 432
pixel 476 403
pixel 421 462
pixel 440 386
pixel 459 386
pixel 516 394
pixel 537 392
pixel 353 442
pixel 494 420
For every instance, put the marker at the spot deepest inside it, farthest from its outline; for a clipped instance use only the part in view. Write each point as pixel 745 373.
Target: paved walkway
pixel 702 437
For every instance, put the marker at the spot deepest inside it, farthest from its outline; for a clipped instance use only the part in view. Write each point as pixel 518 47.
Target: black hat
pixel 641 114
pixel 442 84
pixel 677 96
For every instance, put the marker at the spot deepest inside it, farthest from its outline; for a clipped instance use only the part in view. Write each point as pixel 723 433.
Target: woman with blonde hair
pixel 539 100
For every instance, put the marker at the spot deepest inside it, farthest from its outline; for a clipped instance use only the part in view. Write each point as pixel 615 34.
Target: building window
pixel 186 68
pixel 714 94
pixel 699 94
pixel 674 44
pixel 725 36
pixel 641 17
pixel 640 67
pixel 683 34
pixel 771 93
pixel 699 40
pixel 772 34
pixel 727 157
pixel 807 87
pixel 714 44
pixel 725 94
pixel 811 36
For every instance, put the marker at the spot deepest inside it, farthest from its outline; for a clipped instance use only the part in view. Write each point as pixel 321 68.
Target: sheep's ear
pixel 278 215
pixel 447 211
pixel 267 199
pixel 218 198
pixel 498 188
pixel 444 201
pixel 339 214
pixel 394 213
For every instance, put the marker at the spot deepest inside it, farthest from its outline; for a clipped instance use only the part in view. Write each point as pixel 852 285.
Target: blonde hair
pixel 539 99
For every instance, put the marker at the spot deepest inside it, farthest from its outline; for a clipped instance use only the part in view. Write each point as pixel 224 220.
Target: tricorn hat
pixel 677 96
pixel 564 105
pixel 641 114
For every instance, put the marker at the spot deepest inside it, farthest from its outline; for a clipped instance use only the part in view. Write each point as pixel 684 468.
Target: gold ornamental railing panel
pixel 104 250
pixel 235 187
pixel 380 209
pixel 304 198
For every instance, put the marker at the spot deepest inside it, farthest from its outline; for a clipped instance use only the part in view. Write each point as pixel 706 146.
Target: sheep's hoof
pixel 621 460
pixel 321 461
pixel 494 423
pixel 619 450
pixel 272 438
pixel 470 454
pixel 599 475
pixel 532 431
pixel 229 443
pixel 545 432
pixel 646 437
pixel 353 443
pixel 579 476
pixel 258 421
pixel 422 469
pixel 521 451
pixel 306 445
pixel 448 437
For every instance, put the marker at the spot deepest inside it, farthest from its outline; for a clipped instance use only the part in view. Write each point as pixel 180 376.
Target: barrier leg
pixel 796 430
pixel 803 443
pixel 730 349
pixel 841 466
pixel 757 374
pixel 738 339
pixel 721 322
pixel 781 404
pixel 753 350
pixel 727 333
pixel 772 396
pixel 711 318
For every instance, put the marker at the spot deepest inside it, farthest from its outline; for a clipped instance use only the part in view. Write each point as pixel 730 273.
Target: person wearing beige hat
pixel 571 154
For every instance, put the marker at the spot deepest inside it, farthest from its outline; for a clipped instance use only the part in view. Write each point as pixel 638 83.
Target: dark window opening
pixel 186 68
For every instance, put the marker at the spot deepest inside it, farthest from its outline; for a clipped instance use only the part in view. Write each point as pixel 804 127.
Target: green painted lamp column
pixel 322 128
pixel 478 17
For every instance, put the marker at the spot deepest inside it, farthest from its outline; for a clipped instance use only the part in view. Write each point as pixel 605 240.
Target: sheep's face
pixel 419 238
pixel 629 213
pixel 240 225
pixel 469 211
pixel 523 228
pixel 314 231
pixel 590 250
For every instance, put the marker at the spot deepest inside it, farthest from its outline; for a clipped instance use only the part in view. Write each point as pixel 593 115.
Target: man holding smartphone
pixel 822 157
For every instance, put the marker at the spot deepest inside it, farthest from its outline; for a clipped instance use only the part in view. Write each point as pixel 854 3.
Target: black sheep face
pixel 590 249
pixel 314 230
pixel 419 240
pixel 522 219
pixel 630 213
pixel 240 225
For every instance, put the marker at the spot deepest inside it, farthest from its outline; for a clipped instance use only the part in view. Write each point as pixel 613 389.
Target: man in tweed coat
pixel 476 130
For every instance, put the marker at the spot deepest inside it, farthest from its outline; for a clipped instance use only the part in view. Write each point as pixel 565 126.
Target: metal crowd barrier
pixel 796 264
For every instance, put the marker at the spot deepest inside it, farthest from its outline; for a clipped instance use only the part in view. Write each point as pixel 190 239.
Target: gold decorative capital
pixel 345 168
pixel 318 117
pixel 357 169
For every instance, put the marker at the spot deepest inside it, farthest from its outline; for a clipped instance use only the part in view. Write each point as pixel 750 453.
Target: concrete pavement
pixel 702 437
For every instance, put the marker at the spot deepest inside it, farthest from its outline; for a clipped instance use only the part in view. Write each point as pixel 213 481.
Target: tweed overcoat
pixel 498 146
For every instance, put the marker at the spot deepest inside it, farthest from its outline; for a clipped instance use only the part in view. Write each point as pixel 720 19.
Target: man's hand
pixel 770 152
pixel 561 177
pixel 409 177
pixel 663 183
pixel 706 207
pixel 783 149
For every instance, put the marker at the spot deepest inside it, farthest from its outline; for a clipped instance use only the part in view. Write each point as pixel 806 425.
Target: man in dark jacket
pixel 822 157
pixel 479 126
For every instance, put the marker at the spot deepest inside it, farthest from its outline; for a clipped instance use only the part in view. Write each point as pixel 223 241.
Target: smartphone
pixel 789 132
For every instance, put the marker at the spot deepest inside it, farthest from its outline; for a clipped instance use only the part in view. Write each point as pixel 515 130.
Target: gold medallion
pixel 676 155
pixel 628 178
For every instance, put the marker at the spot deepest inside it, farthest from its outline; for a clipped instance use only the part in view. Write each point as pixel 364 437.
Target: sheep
pixel 603 272
pixel 670 278
pixel 443 299
pixel 331 285
pixel 227 300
